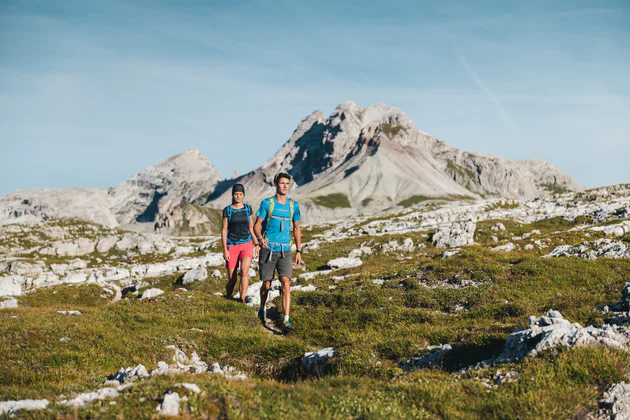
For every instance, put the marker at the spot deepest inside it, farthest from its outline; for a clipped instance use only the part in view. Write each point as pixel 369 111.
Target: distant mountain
pixel 141 199
pixel 356 161
pixel 368 159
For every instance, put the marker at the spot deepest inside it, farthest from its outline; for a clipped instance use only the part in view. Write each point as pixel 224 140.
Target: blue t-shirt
pixel 272 230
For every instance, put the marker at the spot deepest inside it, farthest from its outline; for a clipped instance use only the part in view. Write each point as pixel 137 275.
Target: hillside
pixel 491 309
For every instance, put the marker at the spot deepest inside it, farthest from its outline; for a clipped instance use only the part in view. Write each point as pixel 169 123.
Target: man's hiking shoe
pixel 286 325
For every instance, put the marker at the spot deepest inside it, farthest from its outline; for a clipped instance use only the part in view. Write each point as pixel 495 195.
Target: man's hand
pixel 298 258
pixel 263 243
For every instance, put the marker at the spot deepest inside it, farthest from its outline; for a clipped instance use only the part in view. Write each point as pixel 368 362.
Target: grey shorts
pixel 284 265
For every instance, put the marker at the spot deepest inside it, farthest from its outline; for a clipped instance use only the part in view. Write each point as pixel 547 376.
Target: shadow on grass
pixel 466 355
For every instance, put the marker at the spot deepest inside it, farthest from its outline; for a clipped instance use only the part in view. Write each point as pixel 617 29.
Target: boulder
pixel 552 330
pixel 25 269
pixel 86 398
pixel 458 235
pixel 339 263
pixel 11 285
pixel 509 247
pixel 170 405
pixel 314 362
pixel 433 358
pixel 75 278
pixel 151 293
pixel 11 407
pixel 189 386
pixel 198 273
pixel 105 244
pixel 130 374
pixel 617 400
pixel 9 303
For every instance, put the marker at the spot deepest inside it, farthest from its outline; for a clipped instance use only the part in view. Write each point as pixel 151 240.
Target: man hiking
pixel 272 228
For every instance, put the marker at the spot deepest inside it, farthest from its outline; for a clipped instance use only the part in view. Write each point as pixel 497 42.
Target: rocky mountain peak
pixel 162 186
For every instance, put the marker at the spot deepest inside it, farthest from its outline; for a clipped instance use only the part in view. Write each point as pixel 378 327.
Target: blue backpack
pixel 248 210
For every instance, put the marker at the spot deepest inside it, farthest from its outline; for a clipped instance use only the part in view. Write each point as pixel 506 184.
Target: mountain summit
pixel 368 159
pixel 356 161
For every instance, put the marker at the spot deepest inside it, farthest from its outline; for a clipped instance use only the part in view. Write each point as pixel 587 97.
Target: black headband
pixel 238 188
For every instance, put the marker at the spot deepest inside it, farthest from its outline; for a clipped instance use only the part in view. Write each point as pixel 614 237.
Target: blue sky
pixel 92 92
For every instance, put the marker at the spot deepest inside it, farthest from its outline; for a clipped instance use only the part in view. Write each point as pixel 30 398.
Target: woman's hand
pixel 226 255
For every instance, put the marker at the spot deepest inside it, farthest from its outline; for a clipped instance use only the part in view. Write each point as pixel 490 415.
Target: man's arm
pixel 297 234
pixel 258 231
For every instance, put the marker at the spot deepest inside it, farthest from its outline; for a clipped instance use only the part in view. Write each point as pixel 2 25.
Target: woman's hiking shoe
pixel 286 325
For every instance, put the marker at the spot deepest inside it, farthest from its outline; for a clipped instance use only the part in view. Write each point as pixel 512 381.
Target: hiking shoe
pixel 287 326
pixel 262 315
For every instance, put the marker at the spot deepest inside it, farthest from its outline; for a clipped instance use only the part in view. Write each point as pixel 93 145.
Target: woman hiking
pixel 238 243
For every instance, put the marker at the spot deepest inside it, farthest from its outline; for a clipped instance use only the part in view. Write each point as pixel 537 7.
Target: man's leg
pixel 264 290
pixel 286 295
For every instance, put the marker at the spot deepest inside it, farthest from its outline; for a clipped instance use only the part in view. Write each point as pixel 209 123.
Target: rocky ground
pixel 457 309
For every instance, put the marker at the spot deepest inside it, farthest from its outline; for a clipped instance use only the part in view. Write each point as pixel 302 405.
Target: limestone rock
pixel 198 273
pixel 340 263
pixel 130 374
pixel 433 358
pixel 9 303
pixel 170 405
pixel 104 245
pixel 509 247
pixel 314 362
pixel 11 285
pixel 191 387
pixel 458 235
pixel 617 400
pixel 552 330
pixel 86 398
pixel 227 371
pixel 11 407
pixel 152 293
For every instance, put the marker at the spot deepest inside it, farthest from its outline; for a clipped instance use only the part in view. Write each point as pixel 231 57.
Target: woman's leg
pixel 245 262
pixel 232 278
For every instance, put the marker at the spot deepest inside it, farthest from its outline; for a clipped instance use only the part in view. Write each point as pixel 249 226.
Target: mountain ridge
pixel 355 161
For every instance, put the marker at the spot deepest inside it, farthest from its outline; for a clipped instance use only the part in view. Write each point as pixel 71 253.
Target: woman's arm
pixel 226 254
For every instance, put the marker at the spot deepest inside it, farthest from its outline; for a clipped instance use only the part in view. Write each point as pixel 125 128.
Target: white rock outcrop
pixel 340 263
pixel 197 274
pixel 552 330
pixel 458 235
pixel 12 407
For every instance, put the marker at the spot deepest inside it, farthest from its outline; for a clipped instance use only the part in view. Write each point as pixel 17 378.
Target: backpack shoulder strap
pixel 272 203
pixel 248 211
pixel 229 212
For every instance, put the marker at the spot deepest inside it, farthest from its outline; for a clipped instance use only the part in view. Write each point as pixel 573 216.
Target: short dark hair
pixel 281 175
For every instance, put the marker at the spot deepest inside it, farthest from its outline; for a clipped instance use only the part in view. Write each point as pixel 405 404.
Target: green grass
pixel 555 188
pixel 366 202
pixel 372 327
pixel 333 201
pixel 464 173
pixel 391 130
pixel 415 199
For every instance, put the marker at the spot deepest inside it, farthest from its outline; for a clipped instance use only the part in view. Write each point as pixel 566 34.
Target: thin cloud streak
pixel 504 115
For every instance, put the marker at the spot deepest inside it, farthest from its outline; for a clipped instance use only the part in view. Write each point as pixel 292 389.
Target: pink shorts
pixel 238 252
